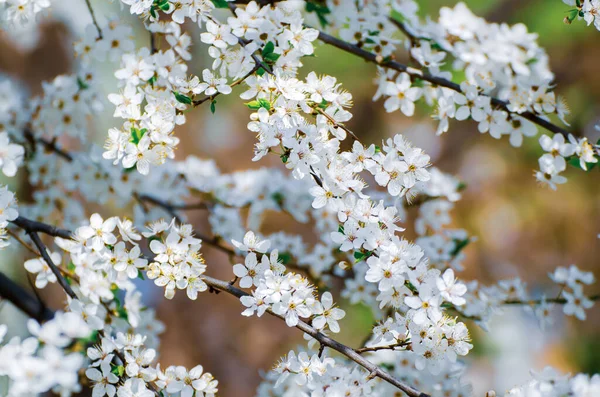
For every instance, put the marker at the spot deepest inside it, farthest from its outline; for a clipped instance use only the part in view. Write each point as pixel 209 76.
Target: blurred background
pixel 523 229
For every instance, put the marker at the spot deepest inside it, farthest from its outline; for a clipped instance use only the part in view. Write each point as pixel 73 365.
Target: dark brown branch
pixel 44 253
pixel 38 227
pixel 324 340
pixel 23 300
pixel 436 81
pixel 89 6
pixel 393 346
pixel 558 301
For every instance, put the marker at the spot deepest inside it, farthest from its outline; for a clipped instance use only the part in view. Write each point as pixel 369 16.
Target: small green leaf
pixel 284 158
pixel 220 3
pixel 152 80
pixel 531 61
pixel 341 229
pixel 268 49
pixel 285 257
pixel 136 134
pixel 411 287
pixel 320 9
pixel 82 85
pixel 259 103
pixel 377 149
pixel 360 256
pixel 278 198
pixel 213 106
pixel 260 71
pixel 140 275
pixel 572 14
pixel 272 57
pixel 460 245
pixel 118 370
pixel 182 98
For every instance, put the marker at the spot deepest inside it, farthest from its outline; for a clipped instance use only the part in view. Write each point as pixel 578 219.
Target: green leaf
pixel 136 135
pixel 118 370
pixel 152 80
pixel 268 49
pixel 377 149
pixel 278 198
pixel 213 106
pixel 272 57
pixel 82 85
pixel 260 103
pixel 260 71
pixel 153 12
pixel 182 98
pixel 531 61
pixel 460 244
pixel 572 14
pixel 341 229
pixel 285 257
pixel 140 275
pixel 360 256
pixel 220 3
pixel 411 287
pixel 320 9
pixel 574 161
pixel 284 158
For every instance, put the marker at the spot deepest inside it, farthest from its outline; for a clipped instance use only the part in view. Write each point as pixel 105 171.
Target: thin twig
pixel 225 286
pixel 393 346
pixel 324 340
pixel 435 80
pixel 235 83
pixel 44 253
pixel 89 6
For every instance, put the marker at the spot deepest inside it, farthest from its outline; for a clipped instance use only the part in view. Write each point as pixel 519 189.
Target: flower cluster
pixel 21 11
pixel 287 294
pixel 571 280
pixel 558 152
pixel 177 263
pixel 43 362
pixel 355 194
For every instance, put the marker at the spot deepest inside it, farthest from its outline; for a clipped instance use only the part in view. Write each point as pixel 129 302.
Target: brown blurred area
pixel 523 229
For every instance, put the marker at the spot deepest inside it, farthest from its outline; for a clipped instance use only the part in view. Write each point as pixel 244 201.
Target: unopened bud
pixel 490 393
pixel 378 59
pixel 344 265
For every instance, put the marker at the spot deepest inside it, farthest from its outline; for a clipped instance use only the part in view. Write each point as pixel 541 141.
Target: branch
pixel 393 346
pixel 235 83
pixel 23 300
pixel 44 252
pixel 49 145
pixel 38 227
pixel 436 81
pixel 31 227
pixel 558 301
pixel 324 340
pixel 89 6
